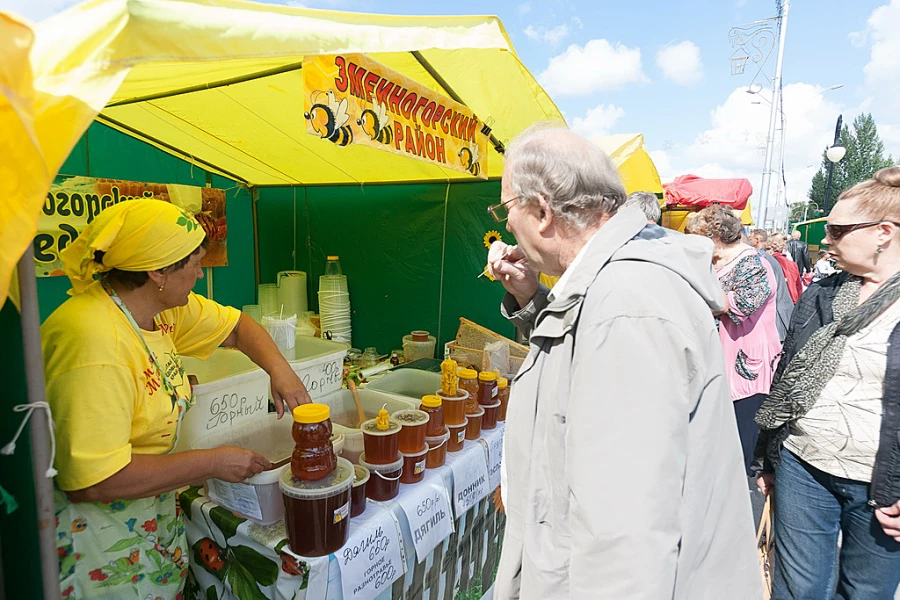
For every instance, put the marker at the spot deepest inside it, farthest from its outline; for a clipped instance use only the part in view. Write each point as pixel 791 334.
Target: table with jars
pixel 413 515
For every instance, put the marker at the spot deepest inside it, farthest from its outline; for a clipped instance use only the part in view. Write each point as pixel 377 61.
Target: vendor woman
pixel 118 391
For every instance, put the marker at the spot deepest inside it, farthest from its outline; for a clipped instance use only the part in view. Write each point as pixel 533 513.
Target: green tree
pixel 865 155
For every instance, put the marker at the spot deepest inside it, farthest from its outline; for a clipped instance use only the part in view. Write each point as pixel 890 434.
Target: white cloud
pixel 36 10
pixel 523 9
pixel 680 62
pixel 884 33
pixel 598 65
pixel 598 120
pixel 552 36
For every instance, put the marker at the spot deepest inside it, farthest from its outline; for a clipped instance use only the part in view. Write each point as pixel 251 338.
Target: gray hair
pixel 647 202
pixel 576 178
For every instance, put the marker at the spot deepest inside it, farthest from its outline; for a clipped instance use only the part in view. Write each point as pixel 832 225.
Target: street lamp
pixel 834 154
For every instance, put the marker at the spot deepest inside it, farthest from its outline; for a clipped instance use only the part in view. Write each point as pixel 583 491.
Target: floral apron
pixel 126 548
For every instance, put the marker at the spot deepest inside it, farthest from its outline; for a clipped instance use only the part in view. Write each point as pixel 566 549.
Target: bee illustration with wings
pixel 374 123
pixel 329 119
pixel 470 159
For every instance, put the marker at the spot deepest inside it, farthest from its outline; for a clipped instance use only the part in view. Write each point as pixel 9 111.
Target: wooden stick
pixel 351 385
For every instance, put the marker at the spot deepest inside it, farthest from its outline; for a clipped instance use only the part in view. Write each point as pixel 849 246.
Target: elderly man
pixel 799 252
pixel 621 470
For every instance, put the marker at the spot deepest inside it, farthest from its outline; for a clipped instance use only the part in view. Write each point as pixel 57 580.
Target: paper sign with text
pixel 371 560
pixel 470 476
pixel 427 506
pixel 494 441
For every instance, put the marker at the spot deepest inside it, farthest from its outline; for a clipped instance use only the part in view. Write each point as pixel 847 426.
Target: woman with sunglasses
pixel 830 428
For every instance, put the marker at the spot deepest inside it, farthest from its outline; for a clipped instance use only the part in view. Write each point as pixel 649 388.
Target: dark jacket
pixel 814 311
pixel 799 252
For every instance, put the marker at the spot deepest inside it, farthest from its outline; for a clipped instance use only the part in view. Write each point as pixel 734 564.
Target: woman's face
pixel 178 284
pixel 854 252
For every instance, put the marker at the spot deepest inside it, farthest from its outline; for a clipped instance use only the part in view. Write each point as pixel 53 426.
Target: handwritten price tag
pixel 371 560
pixel 494 441
pixel 427 506
pixel 470 477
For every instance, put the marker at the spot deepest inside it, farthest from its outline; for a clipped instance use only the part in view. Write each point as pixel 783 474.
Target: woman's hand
pixel 766 483
pixel 288 391
pixel 889 518
pixel 509 266
pixel 234 464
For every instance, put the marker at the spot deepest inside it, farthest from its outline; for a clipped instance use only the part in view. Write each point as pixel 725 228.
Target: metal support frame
pixel 773 113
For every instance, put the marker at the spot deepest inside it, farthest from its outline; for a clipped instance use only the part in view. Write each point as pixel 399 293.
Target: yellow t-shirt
pixel 107 396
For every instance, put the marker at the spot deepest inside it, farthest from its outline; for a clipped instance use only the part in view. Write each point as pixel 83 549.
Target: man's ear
pixel 545 215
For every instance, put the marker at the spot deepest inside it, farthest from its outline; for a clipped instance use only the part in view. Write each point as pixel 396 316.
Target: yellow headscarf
pixel 136 235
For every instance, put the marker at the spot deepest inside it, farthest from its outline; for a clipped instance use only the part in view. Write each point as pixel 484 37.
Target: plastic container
pixel 487 388
pixel 413 466
pixel 491 412
pixel 503 390
pixel 358 491
pixel 468 380
pixel 313 457
pixel 407 382
pixel 473 429
pixel 318 363
pixel 384 480
pixel 437 450
pixel 381 444
pixel 431 404
pixel 413 349
pixel 317 513
pixel 337 442
pixel 457 436
pixel 345 419
pixel 419 335
pixel 455 407
pixel 412 434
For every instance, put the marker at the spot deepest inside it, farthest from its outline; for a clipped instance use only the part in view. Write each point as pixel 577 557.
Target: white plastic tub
pixel 411 383
pixel 344 418
pixel 319 364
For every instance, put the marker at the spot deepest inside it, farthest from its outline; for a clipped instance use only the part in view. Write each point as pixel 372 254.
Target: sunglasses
pixel 836 232
pixel 499 211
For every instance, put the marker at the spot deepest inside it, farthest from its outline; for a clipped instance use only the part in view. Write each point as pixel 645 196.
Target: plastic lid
pixel 431 401
pixel 334 257
pixel 462 425
pixel 361 475
pixel 502 382
pixel 420 452
pixel 410 417
pixel 461 394
pixel 478 413
pixel 397 465
pixel 370 427
pixel 437 440
pixel 467 373
pixel 487 376
pixel 311 413
pixel 494 405
pixel 335 483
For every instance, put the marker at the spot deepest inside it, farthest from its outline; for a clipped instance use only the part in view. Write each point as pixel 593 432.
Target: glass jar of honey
pixel 431 405
pixel 313 457
pixel 487 388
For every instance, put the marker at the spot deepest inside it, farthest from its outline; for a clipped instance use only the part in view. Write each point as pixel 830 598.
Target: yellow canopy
pixel 634 164
pixel 219 84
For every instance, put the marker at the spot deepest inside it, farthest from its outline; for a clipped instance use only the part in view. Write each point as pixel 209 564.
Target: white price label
pixel 427 506
pixel 470 477
pixel 494 441
pixel 371 559
pixel 238 497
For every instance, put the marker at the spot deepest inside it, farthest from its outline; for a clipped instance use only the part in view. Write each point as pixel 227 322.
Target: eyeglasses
pixel 836 232
pixel 499 211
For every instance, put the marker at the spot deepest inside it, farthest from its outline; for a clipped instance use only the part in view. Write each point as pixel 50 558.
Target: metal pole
pixel 776 93
pixel 837 137
pixel 37 425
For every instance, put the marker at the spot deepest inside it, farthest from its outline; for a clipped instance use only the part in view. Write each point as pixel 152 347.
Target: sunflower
pixel 487 273
pixel 490 237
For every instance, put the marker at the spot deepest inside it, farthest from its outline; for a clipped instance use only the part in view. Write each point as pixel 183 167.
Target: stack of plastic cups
pixel 334 307
pixel 253 311
pixel 268 300
pixel 292 292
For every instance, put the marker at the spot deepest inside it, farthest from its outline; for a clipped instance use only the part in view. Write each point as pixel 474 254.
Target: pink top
pixel 748 333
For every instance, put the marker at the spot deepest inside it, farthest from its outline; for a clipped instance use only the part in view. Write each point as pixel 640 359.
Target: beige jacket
pixel 622 469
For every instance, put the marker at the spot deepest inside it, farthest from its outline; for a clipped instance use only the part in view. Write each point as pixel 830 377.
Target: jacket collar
pixel 560 315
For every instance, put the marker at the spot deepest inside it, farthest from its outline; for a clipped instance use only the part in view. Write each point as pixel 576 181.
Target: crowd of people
pixel 625 472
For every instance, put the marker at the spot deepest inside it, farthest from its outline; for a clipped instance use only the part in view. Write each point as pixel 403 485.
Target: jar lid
pixel 361 475
pixel 370 427
pixel 502 382
pixel 431 401
pixel 415 454
pixel 336 482
pixel 409 417
pixel 311 413
pixel 462 425
pixel 333 257
pixel 467 373
pixel 437 440
pixel 391 467
pixel 494 405
pixel 487 376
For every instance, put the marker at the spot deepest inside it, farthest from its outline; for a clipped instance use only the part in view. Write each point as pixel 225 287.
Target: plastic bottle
pixel 333 265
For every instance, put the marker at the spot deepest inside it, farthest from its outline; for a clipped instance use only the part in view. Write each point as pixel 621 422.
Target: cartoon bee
pixel 374 122
pixel 79 525
pixel 470 160
pixel 134 557
pixel 329 120
pixel 178 558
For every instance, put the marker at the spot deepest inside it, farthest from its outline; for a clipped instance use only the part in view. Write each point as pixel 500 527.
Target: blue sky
pixel 662 68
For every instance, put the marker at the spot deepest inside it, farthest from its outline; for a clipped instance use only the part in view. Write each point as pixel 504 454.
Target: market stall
pixel 220 86
pixel 690 193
